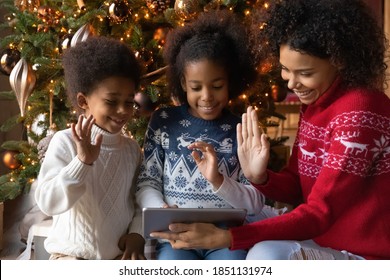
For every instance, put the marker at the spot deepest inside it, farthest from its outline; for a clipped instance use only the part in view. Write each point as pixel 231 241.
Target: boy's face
pixel 307 76
pixel 206 84
pixel 111 103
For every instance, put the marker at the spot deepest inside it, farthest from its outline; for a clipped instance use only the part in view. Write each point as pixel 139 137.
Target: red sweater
pixel 339 174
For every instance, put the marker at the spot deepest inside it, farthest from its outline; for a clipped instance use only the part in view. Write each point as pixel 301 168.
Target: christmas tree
pixel 43 29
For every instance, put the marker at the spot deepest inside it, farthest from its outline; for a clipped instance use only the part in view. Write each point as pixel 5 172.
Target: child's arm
pixel 87 152
pixel 237 194
pixel 61 180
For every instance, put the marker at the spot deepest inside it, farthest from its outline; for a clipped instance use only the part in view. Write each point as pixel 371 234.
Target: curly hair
pixel 218 36
pixel 343 31
pixel 89 62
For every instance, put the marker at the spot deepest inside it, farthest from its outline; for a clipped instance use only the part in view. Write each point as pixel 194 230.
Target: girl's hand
pixel 87 152
pixel 195 236
pixel 207 162
pixel 253 148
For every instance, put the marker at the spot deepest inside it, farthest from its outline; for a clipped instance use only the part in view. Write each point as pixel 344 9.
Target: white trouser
pixel 296 250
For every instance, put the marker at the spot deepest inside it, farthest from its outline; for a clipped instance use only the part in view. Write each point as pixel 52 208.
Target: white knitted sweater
pixel 92 205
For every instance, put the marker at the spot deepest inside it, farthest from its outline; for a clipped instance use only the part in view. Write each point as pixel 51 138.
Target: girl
pixel 209 63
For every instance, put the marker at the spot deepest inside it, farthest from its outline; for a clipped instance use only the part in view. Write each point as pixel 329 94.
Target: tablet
pixel 158 219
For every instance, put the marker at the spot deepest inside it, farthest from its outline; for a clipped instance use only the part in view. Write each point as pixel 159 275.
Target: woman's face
pixel 307 76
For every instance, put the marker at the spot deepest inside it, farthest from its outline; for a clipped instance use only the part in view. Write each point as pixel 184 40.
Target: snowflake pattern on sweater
pixel 169 173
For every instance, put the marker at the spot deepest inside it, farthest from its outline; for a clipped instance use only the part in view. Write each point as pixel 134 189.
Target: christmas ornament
pixel 160 35
pixel 158 6
pixel 9 58
pixel 187 9
pixel 82 34
pixel 29 5
pixel 22 80
pixel 145 56
pixel 119 11
pixel 145 105
pixel 278 93
pixel 49 17
pixel 81 4
pixel 9 159
pixel 65 42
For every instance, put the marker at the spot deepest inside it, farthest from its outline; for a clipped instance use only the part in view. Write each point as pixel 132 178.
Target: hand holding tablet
pixel 159 219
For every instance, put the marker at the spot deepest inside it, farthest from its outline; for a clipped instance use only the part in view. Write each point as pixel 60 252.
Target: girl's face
pixel 206 84
pixel 111 103
pixel 307 76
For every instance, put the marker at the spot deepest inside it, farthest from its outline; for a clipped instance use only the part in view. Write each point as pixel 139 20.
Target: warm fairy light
pixel 247 12
pixel 243 96
pixel 146 15
pixel 266 5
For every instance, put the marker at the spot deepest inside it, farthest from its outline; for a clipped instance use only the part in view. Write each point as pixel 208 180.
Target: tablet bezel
pixel 158 219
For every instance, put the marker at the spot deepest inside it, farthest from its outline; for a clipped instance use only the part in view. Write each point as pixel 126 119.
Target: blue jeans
pixel 165 251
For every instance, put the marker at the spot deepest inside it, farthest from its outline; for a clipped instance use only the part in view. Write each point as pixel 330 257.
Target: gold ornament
pixel 160 35
pixel 278 92
pixel 9 58
pixel 82 34
pixel 145 57
pixel 81 4
pixel 9 159
pixel 119 11
pixel 50 17
pixel 65 42
pixel 187 9
pixel 29 5
pixel 158 6
pixel 22 80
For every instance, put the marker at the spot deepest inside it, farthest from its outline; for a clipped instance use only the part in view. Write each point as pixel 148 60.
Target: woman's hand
pixel 207 162
pixel 87 152
pixel 195 236
pixel 253 148
pixel 132 246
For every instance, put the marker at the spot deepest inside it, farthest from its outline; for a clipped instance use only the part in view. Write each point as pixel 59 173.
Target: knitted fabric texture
pixel 169 173
pixel 339 171
pixel 92 205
